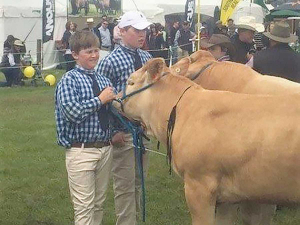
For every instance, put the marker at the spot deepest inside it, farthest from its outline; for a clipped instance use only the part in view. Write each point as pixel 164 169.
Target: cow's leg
pixel 226 214
pixel 268 212
pixel 201 200
pixel 254 213
pixel 250 213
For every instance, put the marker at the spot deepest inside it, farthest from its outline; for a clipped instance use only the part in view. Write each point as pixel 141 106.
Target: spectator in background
pixel 105 37
pixel 218 28
pixel 155 41
pixel 11 64
pixel 8 43
pixel 70 62
pixel 219 46
pixel 231 27
pixel 171 38
pixel 204 33
pixel 224 30
pixel 74 27
pixel 183 39
pixel 111 27
pixel 243 42
pixel 90 27
pixel 279 59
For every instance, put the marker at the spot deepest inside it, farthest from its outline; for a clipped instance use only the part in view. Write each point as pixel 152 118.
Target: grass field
pixel 33 182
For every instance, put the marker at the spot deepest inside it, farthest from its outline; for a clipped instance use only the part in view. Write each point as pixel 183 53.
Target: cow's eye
pixel 130 82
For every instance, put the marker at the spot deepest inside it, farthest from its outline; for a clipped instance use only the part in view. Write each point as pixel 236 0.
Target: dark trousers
pixel 12 76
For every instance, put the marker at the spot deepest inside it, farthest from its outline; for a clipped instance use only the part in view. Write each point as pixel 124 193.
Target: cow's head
pixel 137 96
pixel 189 66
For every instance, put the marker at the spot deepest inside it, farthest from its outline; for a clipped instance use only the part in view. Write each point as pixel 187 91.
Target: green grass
pixel 33 182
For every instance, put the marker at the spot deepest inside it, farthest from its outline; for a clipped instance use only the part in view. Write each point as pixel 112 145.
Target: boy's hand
pixel 107 95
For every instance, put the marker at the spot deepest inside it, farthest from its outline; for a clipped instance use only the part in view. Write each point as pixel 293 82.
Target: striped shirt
pixel 76 108
pixel 118 65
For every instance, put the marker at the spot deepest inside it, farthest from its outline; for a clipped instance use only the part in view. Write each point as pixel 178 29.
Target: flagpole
pixel 198 29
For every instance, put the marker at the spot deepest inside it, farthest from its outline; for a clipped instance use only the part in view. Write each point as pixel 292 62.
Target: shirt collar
pixel 129 50
pixel 85 71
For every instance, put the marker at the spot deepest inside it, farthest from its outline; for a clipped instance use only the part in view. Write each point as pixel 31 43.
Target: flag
pixel 48 20
pixel 190 12
pixel 227 8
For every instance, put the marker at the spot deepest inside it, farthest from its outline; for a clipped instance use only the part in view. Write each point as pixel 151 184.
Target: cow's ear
pixel 155 69
pixel 181 67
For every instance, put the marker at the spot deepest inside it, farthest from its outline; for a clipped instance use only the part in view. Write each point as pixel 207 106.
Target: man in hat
pixel 183 39
pixel 117 66
pixel 91 27
pixel 11 63
pixel 218 28
pixel 171 38
pixel 243 40
pixel 279 59
pixel 219 46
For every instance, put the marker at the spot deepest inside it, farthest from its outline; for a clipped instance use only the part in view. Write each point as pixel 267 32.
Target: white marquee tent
pixel 18 17
pixel 158 9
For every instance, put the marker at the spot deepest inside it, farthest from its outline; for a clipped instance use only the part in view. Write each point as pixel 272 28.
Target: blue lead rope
pixel 137 134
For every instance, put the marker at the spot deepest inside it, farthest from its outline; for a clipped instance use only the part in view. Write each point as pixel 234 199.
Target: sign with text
pixel 48 20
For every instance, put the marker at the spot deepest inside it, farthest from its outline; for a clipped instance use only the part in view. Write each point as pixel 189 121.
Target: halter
pixel 125 96
pixel 195 76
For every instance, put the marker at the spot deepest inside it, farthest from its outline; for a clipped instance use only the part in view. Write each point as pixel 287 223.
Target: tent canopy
pixel 23 19
pixel 157 9
pixel 284 13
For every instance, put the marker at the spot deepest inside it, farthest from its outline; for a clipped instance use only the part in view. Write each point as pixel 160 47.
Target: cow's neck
pixel 166 93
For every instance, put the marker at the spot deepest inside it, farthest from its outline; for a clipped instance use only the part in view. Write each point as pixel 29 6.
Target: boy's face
pixel 87 58
pixel 133 38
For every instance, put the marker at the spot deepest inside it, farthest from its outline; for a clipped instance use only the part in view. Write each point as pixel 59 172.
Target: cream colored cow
pixel 239 78
pixel 230 76
pixel 227 147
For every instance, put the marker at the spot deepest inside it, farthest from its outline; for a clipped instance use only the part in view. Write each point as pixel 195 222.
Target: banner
pixel 48 20
pixel 190 12
pixel 227 8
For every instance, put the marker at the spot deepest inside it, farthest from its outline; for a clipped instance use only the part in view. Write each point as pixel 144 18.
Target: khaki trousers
pixel 127 183
pixel 88 175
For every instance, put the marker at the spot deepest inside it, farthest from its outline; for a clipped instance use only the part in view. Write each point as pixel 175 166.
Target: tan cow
pixel 227 147
pixel 231 76
pixel 239 78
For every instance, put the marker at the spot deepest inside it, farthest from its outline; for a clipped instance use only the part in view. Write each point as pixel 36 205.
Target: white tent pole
pixel 198 27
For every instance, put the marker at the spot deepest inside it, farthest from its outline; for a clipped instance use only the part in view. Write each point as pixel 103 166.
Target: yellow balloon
pixel 50 79
pixel 29 71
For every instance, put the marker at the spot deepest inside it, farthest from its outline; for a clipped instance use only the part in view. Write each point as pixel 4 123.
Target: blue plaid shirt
pixel 76 108
pixel 118 65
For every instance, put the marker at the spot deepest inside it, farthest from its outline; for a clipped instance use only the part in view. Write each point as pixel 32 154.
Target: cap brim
pixel 292 38
pixel 141 25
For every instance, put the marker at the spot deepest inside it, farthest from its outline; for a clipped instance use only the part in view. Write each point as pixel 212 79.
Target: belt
pixel 97 144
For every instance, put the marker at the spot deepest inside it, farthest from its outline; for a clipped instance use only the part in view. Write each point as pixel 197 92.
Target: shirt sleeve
pixel 250 62
pixel 11 59
pixel 72 107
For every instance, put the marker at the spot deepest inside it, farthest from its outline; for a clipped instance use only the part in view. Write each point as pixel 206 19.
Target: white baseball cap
pixel 135 19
